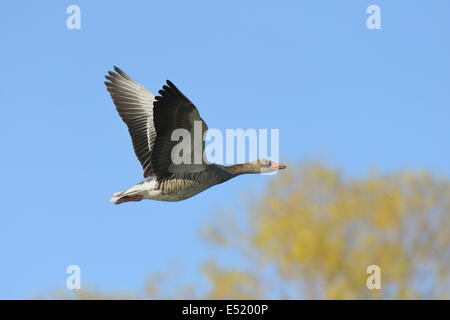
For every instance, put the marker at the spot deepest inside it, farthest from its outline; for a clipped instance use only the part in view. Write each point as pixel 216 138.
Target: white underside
pixel 147 189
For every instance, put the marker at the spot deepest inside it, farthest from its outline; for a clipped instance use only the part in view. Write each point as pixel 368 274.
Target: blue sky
pixel 358 98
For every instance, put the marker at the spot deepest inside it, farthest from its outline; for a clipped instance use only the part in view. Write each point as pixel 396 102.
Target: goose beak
pixel 277 166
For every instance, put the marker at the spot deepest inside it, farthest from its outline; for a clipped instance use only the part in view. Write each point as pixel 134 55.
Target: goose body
pixel 177 187
pixel 151 120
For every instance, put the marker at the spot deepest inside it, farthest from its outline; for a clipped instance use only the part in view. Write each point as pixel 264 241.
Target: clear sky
pixel 359 98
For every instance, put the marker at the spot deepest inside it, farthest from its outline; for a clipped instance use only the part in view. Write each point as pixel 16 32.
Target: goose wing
pixel 172 111
pixel 152 120
pixel 135 106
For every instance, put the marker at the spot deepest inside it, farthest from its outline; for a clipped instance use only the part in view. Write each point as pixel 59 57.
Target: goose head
pixel 266 165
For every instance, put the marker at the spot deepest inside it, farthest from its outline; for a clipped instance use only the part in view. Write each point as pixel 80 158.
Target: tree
pixel 320 231
pixel 314 233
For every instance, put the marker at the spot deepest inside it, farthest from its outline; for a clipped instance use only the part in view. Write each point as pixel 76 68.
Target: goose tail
pixel 126 196
pixel 117 196
pixel 135 193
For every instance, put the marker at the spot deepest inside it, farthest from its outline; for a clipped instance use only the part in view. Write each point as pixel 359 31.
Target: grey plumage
pixel 135 106
pixel 151 120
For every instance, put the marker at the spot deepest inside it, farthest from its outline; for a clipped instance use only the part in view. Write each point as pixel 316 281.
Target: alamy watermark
pixel 374 280
pixel 74 20
pixel 74 280
pixel 238 142
pixel 374 20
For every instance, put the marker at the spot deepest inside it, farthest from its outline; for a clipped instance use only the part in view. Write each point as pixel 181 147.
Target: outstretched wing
pixel 152 120
pixel 172 110
pixel 135 105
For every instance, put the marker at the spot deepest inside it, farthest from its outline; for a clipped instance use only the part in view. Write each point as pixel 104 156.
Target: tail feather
pixel 118 195
pixel 141 189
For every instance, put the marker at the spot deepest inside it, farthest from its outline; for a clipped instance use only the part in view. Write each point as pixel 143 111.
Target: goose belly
pixel 179 189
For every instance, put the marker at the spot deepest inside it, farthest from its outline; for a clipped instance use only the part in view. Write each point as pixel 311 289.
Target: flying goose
pixel 151 120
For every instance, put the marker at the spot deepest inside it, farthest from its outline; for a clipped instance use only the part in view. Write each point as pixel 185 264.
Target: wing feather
pixel 135 106
pixel 174 111
pixel 151 121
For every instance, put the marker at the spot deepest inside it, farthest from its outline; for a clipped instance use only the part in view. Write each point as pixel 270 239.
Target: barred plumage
pixel 151 120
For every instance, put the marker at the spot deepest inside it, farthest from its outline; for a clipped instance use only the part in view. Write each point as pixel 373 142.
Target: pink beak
pixel 277 166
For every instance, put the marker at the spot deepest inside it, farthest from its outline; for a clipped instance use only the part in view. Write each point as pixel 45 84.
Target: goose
pixel 151 120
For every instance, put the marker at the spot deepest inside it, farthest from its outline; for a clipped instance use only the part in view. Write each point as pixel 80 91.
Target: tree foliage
pixel 320 231
pixel 314 232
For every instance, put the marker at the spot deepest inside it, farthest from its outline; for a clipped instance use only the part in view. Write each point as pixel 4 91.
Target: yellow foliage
pixel 321 231
pixel 231 284
pixel 314 233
